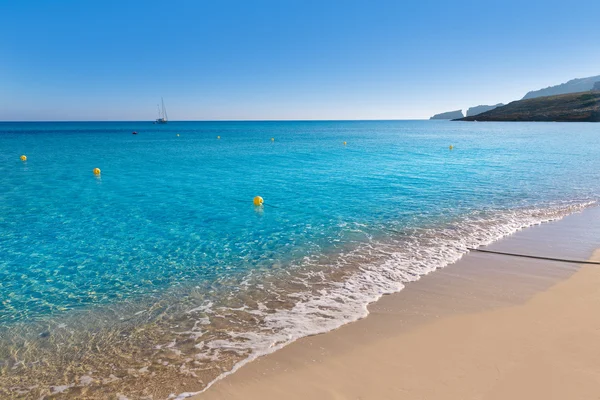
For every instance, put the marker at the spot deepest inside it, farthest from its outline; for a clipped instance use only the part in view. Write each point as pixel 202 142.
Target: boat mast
pixel 164 110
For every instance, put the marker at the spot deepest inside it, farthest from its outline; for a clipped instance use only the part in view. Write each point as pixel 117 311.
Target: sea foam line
pixel 347 301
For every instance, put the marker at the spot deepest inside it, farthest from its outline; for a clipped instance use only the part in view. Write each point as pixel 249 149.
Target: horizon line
pixel 228 120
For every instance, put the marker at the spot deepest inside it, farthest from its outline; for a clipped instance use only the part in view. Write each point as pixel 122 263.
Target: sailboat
pixel 162 113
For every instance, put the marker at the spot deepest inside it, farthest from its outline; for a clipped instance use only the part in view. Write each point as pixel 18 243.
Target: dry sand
pixel 489 327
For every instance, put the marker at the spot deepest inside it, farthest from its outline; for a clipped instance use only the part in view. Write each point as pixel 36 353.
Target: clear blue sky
pixel 113 60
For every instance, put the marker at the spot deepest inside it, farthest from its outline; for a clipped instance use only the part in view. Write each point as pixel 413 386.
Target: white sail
pixel 164 110
pixel 162 113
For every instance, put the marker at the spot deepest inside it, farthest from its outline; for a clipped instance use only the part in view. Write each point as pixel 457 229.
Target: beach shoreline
pixel 488 326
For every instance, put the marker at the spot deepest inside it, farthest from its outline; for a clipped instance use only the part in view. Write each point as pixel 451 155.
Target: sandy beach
pixel 487 327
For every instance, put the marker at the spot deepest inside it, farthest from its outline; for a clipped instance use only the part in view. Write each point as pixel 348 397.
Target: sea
pixel 159 275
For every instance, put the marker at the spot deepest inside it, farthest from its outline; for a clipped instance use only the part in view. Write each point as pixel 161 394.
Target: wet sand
pixel 486 327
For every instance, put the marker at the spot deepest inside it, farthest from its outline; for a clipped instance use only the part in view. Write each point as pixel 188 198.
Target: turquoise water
pixel 167 241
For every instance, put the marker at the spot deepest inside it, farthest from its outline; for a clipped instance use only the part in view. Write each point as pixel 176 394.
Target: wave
pixel 396 261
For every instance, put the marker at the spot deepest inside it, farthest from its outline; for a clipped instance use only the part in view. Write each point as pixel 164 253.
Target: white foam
pixel 60 389
pixel 422 252
pixel 86 380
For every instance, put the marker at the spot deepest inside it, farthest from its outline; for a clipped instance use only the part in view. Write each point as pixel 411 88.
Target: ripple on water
pixel 187 337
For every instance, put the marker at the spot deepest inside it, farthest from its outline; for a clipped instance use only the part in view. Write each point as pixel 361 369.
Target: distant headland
pixel 571 107
pixel 577 100
pixel 572 86
pixel 449 115
pixel 481 109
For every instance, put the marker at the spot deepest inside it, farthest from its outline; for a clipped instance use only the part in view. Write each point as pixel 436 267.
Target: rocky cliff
pixel 572 86
pixel 481 109
pixel 572 107
pixel 449 115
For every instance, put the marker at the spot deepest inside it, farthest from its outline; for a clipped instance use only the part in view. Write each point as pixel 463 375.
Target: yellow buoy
pixel 344 143
pixel 258 201
pixel 96 171
pixel 23 157
pixel 272 139
pixel 218 137
pixel 451 147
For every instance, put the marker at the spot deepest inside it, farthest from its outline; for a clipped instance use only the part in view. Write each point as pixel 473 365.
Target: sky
pixel 284 59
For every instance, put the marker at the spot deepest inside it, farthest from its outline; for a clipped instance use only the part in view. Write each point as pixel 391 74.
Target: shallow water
pixel 162 268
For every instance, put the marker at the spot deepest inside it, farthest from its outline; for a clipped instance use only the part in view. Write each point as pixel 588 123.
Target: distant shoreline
pixel 572 107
